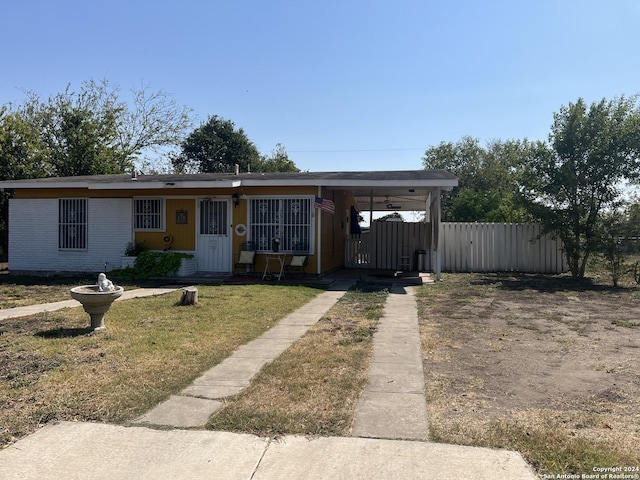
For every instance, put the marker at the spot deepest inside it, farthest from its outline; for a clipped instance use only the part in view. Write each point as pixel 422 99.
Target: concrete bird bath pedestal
pixel 97 299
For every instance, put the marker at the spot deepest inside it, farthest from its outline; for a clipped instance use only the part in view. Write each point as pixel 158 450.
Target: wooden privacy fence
pixel 388 245
pixel 499 247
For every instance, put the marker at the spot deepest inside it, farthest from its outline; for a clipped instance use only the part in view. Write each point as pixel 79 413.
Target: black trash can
pixel 421 260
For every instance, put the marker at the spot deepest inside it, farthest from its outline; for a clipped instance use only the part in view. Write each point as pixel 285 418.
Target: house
pixel 84 223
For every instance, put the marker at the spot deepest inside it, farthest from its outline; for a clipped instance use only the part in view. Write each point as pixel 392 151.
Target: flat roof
pixel 349 179
pixel 372 190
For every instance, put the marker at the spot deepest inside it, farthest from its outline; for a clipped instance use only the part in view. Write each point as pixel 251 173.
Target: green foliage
pixel 150 264
pixel 487 189
pixel 135 248
pixel 611 239
pixel 86 132
pixel 158 264
pixel 393 217
pixel 278 161
pixel 217 146
pixel 578 175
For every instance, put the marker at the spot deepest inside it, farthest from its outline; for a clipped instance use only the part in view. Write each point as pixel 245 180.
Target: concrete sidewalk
pixel 75 450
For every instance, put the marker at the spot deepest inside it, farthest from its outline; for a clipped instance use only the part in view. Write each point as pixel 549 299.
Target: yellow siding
pixel 334 227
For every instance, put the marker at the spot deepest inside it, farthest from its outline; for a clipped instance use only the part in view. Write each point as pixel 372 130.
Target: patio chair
pixel 298 264
pixel 246 261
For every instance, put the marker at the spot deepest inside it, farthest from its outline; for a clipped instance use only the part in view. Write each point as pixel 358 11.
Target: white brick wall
pixel 33 236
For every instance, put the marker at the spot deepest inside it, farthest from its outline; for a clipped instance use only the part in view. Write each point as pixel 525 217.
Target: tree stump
pixel 189 296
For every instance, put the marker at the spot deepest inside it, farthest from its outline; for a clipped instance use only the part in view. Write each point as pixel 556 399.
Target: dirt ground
pixel 533 348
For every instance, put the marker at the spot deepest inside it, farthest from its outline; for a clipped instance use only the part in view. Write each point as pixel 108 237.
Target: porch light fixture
pixel 236 199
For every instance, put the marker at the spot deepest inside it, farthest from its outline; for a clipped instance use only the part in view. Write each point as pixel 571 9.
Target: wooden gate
pixel 388 246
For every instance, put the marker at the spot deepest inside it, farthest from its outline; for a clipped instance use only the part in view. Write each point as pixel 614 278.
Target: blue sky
pixel 343 85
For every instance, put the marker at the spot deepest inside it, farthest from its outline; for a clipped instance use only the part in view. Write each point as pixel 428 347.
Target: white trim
pixel 348 183
pixel 138 185
pixel 319 240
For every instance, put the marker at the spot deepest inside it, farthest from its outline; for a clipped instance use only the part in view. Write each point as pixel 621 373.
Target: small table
pixel 273 257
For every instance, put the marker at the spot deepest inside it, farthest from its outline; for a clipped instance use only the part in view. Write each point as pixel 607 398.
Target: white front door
pixel 213 244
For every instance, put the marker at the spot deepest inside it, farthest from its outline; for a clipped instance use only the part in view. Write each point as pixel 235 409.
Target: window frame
pixel 160 214
pixel 66 222
pixel 280 224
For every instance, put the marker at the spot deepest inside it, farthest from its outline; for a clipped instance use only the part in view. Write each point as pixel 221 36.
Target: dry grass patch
pixel 53 368
pixel 548 366
pixel 312 388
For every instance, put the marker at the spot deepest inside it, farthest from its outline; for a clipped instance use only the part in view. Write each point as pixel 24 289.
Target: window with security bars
pixel 72 223
pixel 148 214
pixel 285 221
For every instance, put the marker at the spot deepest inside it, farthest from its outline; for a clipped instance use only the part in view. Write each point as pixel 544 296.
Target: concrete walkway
pixel 393 404
pixel 196 403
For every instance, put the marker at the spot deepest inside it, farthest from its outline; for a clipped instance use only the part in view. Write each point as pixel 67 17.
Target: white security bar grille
pixel 282 221
pixel 72 223
pixel 213 217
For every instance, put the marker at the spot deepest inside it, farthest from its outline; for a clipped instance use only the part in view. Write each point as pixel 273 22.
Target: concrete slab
pixel 288 332
pixel 262 348
pixel 402 337
pixel 213 392
pixel 391 415
pixel 364 459
pixel 396 353
pixel 303 318
pixel 73 450
pixel 181 412
pixel 146 292
pixel 402 378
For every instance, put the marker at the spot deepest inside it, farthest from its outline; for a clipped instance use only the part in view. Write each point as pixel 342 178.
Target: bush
pixel 133 249
pixel 150 264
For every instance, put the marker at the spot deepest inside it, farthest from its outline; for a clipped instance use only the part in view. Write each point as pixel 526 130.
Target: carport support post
pixel 434 207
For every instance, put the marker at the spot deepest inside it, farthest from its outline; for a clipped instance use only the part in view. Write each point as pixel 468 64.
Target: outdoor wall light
pixel 236 199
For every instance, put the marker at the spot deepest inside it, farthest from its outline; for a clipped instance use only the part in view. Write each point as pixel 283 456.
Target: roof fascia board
pixel 364 184
pixel 35 185
pixel 135 185
pixel 346 183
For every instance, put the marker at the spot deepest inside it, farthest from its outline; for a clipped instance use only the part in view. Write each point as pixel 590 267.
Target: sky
pixel 342 85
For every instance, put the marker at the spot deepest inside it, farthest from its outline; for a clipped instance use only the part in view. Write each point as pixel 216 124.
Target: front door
pixel 213 245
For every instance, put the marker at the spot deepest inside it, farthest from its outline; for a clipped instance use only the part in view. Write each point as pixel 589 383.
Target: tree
pixel 487 186
pixel 578 175
pixel 391 217
pixel 217 146
pixel 93 131
pixel 278 161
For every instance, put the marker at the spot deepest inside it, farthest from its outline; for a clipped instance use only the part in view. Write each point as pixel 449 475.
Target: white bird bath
pixel 95 302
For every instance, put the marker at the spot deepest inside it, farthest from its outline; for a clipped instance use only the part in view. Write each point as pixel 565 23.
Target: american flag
pixel 325 204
